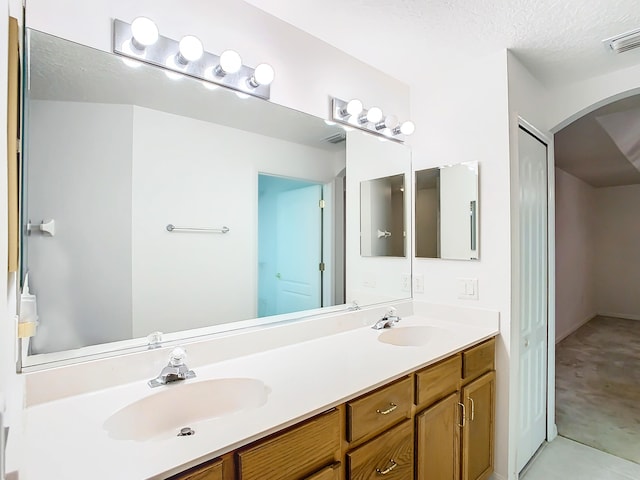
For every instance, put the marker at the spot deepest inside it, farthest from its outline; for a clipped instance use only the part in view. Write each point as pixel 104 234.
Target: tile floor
pixel 564 459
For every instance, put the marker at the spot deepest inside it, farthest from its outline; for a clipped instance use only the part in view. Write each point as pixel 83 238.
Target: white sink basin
pixel 182 404
pixel 408 336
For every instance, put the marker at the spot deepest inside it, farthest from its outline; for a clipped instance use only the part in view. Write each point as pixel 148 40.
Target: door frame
pixel 548 140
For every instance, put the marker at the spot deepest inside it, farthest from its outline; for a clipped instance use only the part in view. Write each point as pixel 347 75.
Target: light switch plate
pixel 406 283
pixel 468 288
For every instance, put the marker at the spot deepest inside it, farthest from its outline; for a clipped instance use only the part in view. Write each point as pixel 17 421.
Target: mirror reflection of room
pixel 382 231
pixel 446 212
pixel 175 198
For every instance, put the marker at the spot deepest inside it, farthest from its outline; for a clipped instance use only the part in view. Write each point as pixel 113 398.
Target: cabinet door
pixel 332 472
pixel 209 471
pixel 477 434
pixel 297 453
pixel 438 441
pixel 388 456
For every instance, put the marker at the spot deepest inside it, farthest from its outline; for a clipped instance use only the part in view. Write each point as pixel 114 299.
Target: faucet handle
pixel 177 357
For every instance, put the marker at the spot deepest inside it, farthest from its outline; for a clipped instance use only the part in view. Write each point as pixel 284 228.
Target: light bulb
pixel 407 128
pixel 230 62
pixel 374 115
pixel 144 32
pixel 390 121
pixel 191 49
pixel 354 107
pixel 262 75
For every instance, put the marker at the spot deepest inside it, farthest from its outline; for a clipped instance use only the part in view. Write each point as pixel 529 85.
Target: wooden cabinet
pixel 438 441
pixel 434 424
pixel 478 398
pixel 208 471
pixel 295 454
pixel 332 472
pixel 376 411
pixel 389 455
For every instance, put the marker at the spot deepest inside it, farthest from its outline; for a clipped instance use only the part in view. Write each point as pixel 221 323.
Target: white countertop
pixel 66 439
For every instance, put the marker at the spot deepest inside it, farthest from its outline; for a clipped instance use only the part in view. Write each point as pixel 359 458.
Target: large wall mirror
pixel 446 201
pixel 157 202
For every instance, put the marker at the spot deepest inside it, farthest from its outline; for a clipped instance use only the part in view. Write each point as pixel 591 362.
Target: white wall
pixel 79 171
pixel 462 116
pixel 576 253
pixel 617 258
pixel 207 178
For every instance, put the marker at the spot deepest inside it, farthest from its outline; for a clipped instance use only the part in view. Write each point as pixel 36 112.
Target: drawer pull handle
pixel 392 407
pixel 388 469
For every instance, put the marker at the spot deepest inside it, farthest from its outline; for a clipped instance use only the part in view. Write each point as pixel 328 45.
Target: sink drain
pixel 186 432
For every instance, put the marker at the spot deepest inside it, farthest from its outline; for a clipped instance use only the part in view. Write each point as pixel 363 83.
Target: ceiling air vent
pixel 337 138
pixel 624 42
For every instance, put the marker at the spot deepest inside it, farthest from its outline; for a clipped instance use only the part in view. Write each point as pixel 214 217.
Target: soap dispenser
pixel 28 312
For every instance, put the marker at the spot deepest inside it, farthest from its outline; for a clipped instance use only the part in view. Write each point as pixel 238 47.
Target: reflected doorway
pixel 290 252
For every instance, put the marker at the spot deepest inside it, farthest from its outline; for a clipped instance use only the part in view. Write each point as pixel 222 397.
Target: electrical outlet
pixel 406 283
pixel 418 283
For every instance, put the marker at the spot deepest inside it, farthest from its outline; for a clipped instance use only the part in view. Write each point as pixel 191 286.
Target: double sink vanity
pixel 412 401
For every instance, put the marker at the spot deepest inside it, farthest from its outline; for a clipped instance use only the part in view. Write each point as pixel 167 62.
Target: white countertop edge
pixel 58 427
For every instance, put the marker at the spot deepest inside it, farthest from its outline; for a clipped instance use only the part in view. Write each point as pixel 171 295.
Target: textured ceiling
pixel 558 40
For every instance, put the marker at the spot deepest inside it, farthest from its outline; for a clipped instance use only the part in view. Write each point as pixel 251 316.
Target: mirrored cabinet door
pixel 446 206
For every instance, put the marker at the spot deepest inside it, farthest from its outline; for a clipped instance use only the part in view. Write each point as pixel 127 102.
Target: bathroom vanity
pixel 435 423
pixel 413 401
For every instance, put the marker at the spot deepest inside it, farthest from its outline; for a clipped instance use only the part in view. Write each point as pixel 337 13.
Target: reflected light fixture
pixel 262 75
pixel 190 49
pixel 230 62
pixel 353 108
pixel 372 120
pixel 374 115
pixel 390 122
pixel 140 40
pixel 144 33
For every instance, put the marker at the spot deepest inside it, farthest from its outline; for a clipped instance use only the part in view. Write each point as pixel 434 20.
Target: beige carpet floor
pixel 598 386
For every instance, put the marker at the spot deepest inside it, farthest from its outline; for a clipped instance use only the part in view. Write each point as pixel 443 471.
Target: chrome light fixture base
pixel 339 114
pixel 164 52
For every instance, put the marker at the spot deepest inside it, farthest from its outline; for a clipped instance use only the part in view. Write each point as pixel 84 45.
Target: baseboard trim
pixel 624 316
pixel 563 335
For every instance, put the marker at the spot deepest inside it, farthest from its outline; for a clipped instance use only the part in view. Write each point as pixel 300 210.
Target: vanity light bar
pixel 373 120
pixel 188 57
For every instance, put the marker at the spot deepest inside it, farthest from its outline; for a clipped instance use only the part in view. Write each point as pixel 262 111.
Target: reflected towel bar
pixel 173 228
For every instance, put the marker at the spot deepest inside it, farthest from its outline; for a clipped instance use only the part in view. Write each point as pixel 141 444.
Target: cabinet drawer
pixel 388 456
pixel 332 472
pixel 479 359
pixel 380 409
pixel 438 381
pixel 209 471
pixel 297 453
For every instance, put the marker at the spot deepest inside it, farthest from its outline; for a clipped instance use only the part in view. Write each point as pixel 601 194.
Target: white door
pixel 532 155
pixel 299 250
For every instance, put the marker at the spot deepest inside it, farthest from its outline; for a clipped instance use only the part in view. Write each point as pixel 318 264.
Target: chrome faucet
pixel 389 320
pixel 175 370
